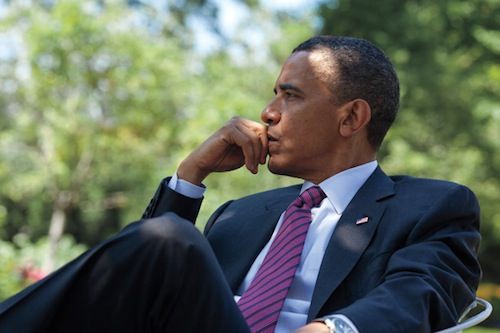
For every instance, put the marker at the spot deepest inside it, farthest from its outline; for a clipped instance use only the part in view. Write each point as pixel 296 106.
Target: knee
pixel 170 229
pixel 177 243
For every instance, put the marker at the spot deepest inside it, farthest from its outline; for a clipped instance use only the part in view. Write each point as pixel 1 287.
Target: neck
pixel 345 159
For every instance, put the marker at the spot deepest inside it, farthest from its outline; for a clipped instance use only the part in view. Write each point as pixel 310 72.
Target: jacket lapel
pixel 350 239
pixel 254 232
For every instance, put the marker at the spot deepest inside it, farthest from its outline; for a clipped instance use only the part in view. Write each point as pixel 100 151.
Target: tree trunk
pixel 56 229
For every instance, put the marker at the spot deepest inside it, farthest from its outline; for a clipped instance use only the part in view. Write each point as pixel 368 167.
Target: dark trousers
pixel 156 275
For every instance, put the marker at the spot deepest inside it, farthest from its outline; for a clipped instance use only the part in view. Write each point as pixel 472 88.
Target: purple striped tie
pixel 261 303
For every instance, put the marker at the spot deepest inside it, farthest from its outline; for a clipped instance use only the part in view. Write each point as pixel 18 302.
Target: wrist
pixel 190 173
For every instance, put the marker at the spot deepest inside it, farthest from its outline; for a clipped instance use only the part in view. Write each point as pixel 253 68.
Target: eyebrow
pixel 289 86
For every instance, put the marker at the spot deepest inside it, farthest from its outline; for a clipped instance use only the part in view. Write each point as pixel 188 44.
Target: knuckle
pixel 223 136
pixel 232 123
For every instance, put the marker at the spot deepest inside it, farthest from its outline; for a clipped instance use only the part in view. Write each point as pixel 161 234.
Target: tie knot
pixel 312 197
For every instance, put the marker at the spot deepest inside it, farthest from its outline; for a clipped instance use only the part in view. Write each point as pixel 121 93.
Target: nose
pixel 270 115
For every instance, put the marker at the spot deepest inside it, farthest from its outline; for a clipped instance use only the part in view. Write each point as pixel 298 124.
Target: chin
pixel 279 169
pixel 273 166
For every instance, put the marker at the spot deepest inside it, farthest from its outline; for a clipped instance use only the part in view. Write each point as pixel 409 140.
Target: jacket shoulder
pixel 429 191
pixel 428 184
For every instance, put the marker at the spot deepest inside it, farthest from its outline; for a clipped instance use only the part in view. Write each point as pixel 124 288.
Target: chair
pixel 464 322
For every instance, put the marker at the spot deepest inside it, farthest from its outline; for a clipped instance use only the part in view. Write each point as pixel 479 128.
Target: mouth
pixel 273 144
pixel 271 138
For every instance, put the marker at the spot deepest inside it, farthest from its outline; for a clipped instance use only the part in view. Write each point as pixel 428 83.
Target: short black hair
pixel 365 72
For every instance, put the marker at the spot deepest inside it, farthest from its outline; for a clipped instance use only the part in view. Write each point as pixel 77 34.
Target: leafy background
pixel 99 100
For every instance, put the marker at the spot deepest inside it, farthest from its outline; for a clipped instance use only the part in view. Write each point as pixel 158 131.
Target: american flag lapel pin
pixel 362 220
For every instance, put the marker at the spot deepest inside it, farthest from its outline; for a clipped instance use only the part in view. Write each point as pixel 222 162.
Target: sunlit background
pixel 99 100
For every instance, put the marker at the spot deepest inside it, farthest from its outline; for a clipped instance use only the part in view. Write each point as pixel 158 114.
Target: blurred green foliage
pixel 97 107
pixel 100 100
pixel 481 330
pixel 21 261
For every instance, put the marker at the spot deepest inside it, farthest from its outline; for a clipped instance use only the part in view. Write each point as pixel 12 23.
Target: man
pixel 356 251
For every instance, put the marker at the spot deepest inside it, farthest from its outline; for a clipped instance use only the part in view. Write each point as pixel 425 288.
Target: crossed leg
pixel 156 275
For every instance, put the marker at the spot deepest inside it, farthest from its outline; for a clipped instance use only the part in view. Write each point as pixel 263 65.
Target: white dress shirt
pixel 339 190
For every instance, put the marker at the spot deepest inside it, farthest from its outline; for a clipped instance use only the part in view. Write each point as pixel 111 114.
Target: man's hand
pixel 316 327
pixel 239 142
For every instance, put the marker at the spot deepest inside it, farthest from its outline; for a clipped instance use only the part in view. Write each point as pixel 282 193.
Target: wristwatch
pixel 330 324
pixel 336 325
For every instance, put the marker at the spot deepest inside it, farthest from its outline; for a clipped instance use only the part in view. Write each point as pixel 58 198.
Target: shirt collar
pixel 343 186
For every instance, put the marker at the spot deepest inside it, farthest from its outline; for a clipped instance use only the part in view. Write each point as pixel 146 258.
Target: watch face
pixel 339 323
pixel 340 326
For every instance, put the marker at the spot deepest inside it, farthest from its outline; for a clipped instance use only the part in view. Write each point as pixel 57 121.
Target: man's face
pixel 303 119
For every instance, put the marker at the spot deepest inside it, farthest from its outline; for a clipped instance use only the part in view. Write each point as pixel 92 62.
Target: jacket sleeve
pixel 167 200
pixel 428 282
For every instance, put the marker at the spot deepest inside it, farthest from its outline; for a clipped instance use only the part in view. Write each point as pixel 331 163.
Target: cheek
pixel 294 127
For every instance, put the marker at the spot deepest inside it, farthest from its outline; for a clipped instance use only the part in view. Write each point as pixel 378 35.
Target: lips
pixel 271 138
pixel 272 143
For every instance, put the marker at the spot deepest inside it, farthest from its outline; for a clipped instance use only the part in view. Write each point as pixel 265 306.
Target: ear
pixel 356 116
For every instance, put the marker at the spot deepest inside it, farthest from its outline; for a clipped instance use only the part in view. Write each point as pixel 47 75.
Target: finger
pixel 244 141
pixel 265 146
pixel 250 145
pixel 261 146
pixel 235 136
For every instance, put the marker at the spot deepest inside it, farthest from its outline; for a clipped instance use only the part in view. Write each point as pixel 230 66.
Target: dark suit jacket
pixel 411 268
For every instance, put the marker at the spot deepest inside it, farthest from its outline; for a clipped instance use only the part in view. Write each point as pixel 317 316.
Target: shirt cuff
pixel 186 188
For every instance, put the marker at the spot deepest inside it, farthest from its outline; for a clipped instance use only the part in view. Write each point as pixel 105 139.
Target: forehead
pixel 317 65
